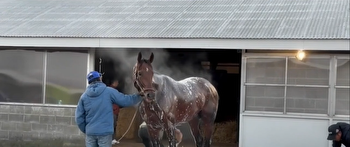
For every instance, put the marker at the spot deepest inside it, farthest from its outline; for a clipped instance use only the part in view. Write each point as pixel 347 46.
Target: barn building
pixel 250 46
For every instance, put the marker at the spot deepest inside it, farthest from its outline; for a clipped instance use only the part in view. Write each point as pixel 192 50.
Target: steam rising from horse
pixel 168 103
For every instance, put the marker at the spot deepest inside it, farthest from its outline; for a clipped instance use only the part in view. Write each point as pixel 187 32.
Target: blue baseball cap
pixel 93 75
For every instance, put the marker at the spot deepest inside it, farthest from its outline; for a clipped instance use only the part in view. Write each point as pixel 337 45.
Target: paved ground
pixel 131 143
pixel 81 143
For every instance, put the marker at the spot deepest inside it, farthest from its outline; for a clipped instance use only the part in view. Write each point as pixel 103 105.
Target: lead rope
pixel 127 130
pixel 132 120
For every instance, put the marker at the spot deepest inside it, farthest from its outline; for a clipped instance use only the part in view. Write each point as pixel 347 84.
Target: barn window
pixel 307 85
pixel 265 79
pixel 21 76
pixel 342 87
pixel 65 77
pixel 23 72
pixel 286 85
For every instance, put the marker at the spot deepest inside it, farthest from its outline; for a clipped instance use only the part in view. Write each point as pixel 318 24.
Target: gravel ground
pixel 131 143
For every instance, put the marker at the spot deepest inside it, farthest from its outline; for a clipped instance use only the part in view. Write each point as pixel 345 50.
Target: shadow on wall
pixel 13 90
pixel 55 93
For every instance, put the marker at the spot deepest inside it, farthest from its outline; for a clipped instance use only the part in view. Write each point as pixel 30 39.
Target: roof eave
pixel 200 43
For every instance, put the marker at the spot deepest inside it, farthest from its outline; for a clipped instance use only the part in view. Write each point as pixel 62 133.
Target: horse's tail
pixel 212 90
pixel 212 102
pixel 214 96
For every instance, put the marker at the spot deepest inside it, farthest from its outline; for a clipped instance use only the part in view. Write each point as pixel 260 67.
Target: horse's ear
pixel 139 57
pixel 151 58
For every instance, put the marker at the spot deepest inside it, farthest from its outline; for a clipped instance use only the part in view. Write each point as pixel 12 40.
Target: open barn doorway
pixel 221 67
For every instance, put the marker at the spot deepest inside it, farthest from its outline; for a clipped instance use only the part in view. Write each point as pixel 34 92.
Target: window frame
pixel 90 53
pixel 331 84
pixel 335 87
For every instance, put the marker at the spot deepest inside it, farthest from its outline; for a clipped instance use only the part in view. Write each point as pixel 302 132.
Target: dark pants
pixel 143 134
pixel 115 117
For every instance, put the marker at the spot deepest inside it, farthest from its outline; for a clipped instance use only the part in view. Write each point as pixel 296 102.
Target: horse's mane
pixel 163 76
pixel 158 73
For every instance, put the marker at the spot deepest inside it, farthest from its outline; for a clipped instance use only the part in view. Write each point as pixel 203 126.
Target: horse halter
pixel 154 105
pixel 140 84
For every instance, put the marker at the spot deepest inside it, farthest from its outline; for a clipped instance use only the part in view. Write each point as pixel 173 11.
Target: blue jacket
pixel 94 113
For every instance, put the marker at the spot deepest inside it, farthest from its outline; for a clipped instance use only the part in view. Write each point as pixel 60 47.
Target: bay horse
pixel 168 103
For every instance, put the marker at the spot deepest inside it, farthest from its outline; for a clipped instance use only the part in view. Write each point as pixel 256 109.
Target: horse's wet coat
pixel 177 99
pixel 192 100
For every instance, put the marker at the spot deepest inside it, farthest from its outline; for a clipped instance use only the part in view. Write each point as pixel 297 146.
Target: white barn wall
pixel 285 132
pixel 266 129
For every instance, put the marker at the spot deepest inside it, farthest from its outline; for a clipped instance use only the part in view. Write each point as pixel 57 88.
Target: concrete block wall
pixel 342 104
pixel 307 100
pixel 38 122
pixel 270 71
pixel 300 100
pixel 265 98
pixel 30 123
pixel 310 74
pixel 343 72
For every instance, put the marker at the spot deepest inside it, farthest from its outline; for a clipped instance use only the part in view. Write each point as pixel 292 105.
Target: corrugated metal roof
pixel 247 19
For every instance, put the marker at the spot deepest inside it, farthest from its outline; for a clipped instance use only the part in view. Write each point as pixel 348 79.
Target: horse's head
pixel 143 72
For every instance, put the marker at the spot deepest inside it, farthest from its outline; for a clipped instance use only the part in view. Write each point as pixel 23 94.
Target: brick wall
pixel 24 123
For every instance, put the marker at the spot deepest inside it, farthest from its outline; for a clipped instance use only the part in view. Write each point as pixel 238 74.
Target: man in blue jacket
pixel 339 133
pixel 94 112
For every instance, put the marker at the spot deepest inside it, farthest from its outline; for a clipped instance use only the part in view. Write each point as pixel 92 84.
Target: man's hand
pixel 115 84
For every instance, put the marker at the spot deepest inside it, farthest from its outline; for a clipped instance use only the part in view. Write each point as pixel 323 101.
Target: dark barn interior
pixel 222 65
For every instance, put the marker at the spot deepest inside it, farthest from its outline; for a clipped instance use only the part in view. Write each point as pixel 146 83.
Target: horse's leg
pixel 208 115
pixel 155 136
pixel 170 132
pixel 196 132
pixel 178 136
